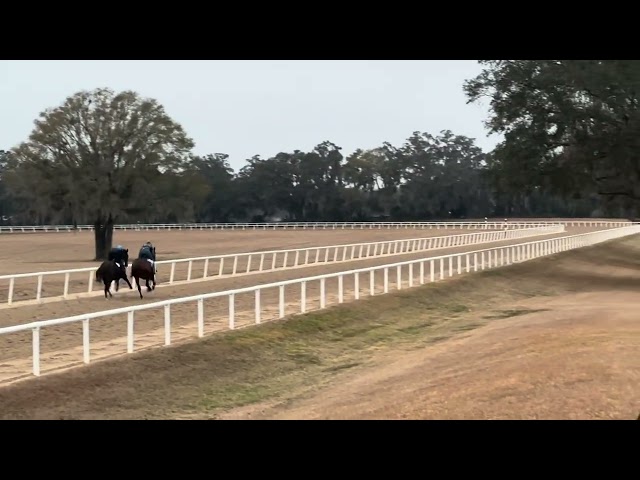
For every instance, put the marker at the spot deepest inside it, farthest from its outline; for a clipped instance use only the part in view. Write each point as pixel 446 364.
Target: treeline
pixel 427 178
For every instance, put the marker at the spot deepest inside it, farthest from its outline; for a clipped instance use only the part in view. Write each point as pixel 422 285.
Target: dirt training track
pixel 62 345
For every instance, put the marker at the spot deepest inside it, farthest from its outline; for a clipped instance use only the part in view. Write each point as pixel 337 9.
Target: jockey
pixel 148 252
pixel 120 255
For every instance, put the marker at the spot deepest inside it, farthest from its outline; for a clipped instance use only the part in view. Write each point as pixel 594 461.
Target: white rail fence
pixel 64 284
pixel 254 305
pixel 471 225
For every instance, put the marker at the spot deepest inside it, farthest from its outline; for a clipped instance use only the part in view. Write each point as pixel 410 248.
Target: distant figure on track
pixel 109 271
pixel 148 252
pixel 119 254
pixel 144 267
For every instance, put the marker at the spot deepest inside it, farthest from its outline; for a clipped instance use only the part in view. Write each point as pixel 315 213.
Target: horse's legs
pixel 117 284
pixel 107 289
pixel 148 286
pixel 138 284
pixel 127 280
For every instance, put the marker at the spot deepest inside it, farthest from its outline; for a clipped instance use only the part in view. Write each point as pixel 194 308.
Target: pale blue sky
pixel 244 108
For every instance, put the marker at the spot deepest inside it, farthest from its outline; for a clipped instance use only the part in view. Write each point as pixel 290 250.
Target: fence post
pixel 167 324
pixel 66 285
pixel 36 351
pixel 130 332
pixel 86 347
pixel 257 306
pixel 200 317
pixel 281 302
pixel 386 280
pixel 11 287
pixel 303 297
pixel 372 290
pixel 232 311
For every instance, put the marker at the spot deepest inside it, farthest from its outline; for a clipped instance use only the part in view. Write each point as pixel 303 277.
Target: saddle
pixel 155 269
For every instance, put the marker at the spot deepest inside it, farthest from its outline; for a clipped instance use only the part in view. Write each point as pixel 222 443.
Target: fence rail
pixel 417 272
pixel 80 281
pixel 471 225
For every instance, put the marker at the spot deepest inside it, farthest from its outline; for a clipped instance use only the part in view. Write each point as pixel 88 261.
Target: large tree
pixel 95 158
pixel 572 126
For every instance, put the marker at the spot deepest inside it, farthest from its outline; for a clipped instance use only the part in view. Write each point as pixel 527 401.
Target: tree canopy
pixel 99 156
pixel 569 125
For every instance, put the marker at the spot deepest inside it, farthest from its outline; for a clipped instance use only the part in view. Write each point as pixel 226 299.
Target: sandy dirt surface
pixel 62 251
pixel 578 359
pixel 22 254
pixel 253 257
pixel 61 346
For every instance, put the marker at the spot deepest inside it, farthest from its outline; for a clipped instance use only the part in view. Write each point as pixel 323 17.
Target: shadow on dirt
pixel 621 255
pixel 593 268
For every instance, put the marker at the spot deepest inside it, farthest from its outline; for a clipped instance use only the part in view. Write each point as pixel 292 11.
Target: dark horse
pixel 120 255
pixel 111 271
pixel 141 268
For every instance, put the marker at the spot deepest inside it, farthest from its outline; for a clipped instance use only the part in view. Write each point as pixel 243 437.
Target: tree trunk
pixel 103 234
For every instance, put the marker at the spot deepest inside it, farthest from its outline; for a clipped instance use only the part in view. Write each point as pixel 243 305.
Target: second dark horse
pixel 141 268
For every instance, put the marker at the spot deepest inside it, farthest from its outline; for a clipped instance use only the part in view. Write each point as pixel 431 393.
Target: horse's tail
pixel 100 272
